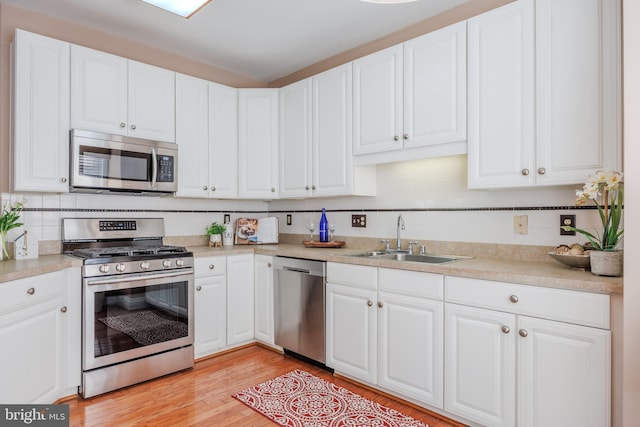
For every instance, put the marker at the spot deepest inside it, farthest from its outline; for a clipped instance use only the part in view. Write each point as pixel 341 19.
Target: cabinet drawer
pixel 581 308
pixel 210 266
pixel 21 292
pixel 356 275
pixel 412 283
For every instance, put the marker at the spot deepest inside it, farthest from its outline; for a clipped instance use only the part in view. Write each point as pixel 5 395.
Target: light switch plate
pixel 521 224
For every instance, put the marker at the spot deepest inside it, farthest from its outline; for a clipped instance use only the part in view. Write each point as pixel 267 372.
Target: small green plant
pixel 215 228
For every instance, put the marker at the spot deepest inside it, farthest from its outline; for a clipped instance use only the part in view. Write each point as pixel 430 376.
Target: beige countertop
pixel 549 274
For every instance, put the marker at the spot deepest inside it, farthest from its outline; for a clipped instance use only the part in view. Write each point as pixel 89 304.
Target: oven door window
pixel 110 163
pixel 130 318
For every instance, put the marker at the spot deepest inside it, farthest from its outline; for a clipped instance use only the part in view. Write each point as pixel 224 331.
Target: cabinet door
pixel 501 97
pixel 210 305
pixel 480 372
pixel 263 279
pixel 223 141
pixel 577 87
pixel 258 143
pixel 98 91
pixel 410 341
pixel 351 331
pixel 40 113
pixel 564 374
pixel 240 298
pixel 332 137
pixel 192 136
pixel 151 104
pixel 295 140
pixel 435 87
pixel 377 102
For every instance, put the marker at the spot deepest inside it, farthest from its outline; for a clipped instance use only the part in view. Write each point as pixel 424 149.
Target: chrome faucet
pixel 399 227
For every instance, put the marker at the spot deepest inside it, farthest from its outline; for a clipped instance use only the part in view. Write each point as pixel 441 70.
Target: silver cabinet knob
pixel 213 188
pixel 369 303
pixel 204 187
pixel 380 304
pixel 198 288
pixel 396 138
pixel 31 291
pixel 133 127
pixel 513 298
pixel 307 188
pixel 542 171
pixel 506 329
pixel 269 265
pixel 523 333
pixel 313 187
pixel 273 189
pixel 524 172
pixel 405 136
pixel 63 179
pixel 63 309
pixel 211 266
pixel 122 125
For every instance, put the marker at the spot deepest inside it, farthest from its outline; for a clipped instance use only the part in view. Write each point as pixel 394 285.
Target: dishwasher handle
pixel 298 270
pixel 302 266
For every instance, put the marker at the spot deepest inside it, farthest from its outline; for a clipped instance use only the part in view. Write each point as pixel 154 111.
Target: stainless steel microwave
pixel 102 163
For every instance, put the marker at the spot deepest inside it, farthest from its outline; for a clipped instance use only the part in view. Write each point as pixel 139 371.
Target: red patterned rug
pixel 300 399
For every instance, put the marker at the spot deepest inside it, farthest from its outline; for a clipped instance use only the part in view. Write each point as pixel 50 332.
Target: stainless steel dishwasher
pixel 299 295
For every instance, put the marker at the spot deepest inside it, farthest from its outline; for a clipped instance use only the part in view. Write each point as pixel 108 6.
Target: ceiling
pixel 262 39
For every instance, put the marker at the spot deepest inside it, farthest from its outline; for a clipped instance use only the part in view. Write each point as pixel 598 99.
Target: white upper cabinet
pixel 115 95
pixel 40 113
pixel 258 143
pixel 544 102
pixel 377 102
pixel 206 134
pixel 316 156
pixel 223 141
pixel 412 96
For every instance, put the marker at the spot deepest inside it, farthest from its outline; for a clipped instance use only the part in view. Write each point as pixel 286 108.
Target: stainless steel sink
pixel 429 259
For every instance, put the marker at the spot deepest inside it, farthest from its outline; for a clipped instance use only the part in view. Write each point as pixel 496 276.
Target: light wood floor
pixel 202 396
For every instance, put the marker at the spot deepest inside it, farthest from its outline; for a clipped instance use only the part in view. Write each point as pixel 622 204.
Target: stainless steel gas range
pixel 137 310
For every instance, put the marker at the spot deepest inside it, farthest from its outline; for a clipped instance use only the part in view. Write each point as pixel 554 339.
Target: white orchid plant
pixel 605 189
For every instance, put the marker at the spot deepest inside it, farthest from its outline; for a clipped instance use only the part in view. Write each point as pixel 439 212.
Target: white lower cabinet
pixel 223 303
pixel 210 305
pixel 263 283
pixel 240 311
pixel 385 327
pixel 512 358
pixel 46 366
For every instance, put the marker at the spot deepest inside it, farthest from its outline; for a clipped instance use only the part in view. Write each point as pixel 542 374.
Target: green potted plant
pixel 605 189
pixel 214 231
pixel 8 221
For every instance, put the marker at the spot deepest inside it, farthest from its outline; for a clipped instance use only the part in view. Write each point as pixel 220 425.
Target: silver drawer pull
pixel 513 298
pixel 63 309
pixel 523 333
pixel 506 329
pixel 211 266
pixel 198 288
pixel 31 291
pixel 380 304
pixel 369 303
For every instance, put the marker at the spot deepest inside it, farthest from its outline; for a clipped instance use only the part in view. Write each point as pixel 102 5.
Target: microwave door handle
pixel 154 172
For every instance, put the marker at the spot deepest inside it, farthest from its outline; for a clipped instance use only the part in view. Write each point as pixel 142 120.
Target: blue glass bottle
pixel 324 227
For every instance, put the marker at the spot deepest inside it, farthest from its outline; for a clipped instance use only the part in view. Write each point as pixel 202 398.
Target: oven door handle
pixel 154 173
pixel 137 278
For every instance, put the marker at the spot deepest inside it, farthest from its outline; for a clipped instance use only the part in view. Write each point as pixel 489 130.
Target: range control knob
pixel 166 263
pixel 144 265
pixel 104 268
pixel 120 267
pixel 179 262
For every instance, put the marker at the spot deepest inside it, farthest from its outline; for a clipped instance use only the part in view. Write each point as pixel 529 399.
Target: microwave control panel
pixel 165 168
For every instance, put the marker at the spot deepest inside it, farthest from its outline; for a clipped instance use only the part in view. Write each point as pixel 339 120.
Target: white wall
pixel 430 185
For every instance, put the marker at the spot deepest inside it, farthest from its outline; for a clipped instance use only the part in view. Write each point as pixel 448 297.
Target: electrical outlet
pixel 227 219
pixel 359 220
pixel 289 221
pixel 521 224
pixel 569 220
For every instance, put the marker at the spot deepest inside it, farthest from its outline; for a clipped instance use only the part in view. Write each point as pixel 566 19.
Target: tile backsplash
pixel 431 195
